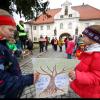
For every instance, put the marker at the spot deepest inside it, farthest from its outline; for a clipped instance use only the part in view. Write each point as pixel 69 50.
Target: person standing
pixel 55 44
pixel 85 78
pixel 29 44
pixel 52 42
pixel 46 43
pixel 41 43
pixel 60 44
pixel 22 34
pixel 65 41
pixel 79 50
pixel 70 47
pixel 12 82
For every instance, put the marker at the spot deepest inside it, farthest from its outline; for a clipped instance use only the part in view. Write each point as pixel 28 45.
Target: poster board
pixel 53 78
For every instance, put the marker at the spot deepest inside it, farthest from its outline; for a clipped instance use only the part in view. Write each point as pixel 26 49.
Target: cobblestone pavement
pixel 26 67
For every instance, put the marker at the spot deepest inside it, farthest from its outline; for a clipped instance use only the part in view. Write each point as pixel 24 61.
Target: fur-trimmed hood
pixel 93 48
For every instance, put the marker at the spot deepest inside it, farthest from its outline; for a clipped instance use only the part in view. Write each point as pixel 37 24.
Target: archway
pixel 64 35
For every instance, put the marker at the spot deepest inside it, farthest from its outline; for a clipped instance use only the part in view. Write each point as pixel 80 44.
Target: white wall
pixel 65 20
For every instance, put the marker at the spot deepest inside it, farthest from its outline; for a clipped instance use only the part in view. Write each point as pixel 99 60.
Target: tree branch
pixel 42 73
pixel 55 70
pixel 49 69
pixel 45 71
pixel 62 71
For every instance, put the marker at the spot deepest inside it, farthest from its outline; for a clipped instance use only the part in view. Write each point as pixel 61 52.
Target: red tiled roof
pixel 86 12
pixel 43 19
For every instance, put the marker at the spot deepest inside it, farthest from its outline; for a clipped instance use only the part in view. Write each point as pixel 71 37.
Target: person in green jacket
pixel 22 34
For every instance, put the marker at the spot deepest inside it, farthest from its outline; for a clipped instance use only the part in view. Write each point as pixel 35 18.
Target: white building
pixel 63 21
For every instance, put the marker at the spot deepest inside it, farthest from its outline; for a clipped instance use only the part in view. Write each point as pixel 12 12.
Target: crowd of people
pixel 22 42
pixel 72 48
pixel 84 78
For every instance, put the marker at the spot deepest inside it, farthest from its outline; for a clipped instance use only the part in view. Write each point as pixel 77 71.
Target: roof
pixel 86 12
pixel 43 19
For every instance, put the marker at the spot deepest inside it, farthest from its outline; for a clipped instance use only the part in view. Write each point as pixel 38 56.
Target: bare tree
pixel 51 88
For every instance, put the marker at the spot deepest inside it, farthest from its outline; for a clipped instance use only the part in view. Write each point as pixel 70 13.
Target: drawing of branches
pixel 51 88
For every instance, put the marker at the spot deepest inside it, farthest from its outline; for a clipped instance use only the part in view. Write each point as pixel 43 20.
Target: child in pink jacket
pixel 70 48
pixel 86 76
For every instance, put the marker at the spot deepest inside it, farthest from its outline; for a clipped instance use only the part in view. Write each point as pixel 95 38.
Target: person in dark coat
pixel 12 82
pixel 55 44
pixel 65 41
pixel 46 43
pixel 52 42
pixel 41 43
pixel 29 44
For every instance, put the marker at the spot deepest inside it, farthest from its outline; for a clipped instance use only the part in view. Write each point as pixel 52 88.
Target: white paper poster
pixel 53 78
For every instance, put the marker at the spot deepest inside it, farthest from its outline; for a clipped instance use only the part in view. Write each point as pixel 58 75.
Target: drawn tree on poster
pixel 52 88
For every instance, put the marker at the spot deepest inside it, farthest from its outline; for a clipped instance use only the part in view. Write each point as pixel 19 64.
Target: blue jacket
pixel 11 79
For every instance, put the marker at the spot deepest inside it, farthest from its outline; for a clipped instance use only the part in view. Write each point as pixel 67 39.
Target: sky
pixel 57 4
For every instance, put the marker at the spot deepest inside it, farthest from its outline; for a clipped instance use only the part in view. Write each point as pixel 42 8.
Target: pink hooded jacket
pixel 70 47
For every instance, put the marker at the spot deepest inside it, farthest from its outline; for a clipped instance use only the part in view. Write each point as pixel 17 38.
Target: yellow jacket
pixel 60 42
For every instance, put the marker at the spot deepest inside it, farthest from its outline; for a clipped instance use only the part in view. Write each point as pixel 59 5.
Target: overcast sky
pixel 57 4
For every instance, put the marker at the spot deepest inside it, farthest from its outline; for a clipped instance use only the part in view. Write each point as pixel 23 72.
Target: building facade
pixel 64 21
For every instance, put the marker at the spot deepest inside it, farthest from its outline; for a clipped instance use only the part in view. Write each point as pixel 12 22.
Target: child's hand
pixel 72 75
pixel 36 77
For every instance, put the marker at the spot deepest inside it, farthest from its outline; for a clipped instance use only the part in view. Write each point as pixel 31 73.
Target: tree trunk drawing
pixel 51 88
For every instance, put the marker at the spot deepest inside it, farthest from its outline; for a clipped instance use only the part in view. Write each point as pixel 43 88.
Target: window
pixel 48 27
pixel 70 25
pixel 70 15
pixel 61 25
pixel 61 16
pixel 41 27
pixel 34 27
pixel 35 38
pixel 66 10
